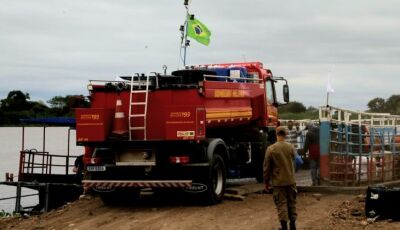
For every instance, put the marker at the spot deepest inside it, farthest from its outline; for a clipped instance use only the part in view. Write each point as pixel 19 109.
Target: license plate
pixel 96 168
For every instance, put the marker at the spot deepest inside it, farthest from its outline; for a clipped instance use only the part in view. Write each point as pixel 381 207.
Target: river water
pixel 56 142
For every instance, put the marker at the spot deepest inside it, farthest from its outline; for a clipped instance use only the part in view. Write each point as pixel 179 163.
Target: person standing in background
pixel 311 144
pixel 291 137
pixel 78 169
pixel 293 134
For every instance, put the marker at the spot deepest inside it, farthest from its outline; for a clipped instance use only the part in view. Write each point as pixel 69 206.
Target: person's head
pixel 281 132
pixel 290 124
pixel 309 126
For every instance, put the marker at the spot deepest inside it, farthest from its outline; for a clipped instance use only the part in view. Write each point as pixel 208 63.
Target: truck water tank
pixel 222 72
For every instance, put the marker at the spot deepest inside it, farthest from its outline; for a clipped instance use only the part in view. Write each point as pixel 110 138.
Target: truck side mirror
pixel 286 93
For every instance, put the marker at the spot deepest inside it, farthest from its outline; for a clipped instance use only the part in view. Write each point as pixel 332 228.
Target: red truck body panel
pixel 93 124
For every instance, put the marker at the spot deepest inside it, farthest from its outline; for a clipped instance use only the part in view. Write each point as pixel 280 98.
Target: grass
pixel 312 115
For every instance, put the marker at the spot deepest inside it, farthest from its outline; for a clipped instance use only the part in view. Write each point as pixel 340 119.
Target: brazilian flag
pixel 198 31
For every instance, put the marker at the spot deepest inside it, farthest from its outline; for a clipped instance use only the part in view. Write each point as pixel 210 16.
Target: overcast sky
pixel 51 48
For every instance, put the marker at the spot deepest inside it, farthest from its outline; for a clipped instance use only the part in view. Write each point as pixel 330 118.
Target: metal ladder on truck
pixel 135 105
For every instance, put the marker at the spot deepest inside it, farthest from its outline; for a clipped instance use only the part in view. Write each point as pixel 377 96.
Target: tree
pixel 16 101
pixel 39 109
pixel 57 102
pixel 17 106
pixel 312 109
pixel 63 106
pixel 77 101
pixel 14 107
pixel 376 105
pixel 292 107
pixel 392 104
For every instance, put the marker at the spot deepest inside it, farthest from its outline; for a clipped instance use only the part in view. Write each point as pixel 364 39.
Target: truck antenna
pixel 165 67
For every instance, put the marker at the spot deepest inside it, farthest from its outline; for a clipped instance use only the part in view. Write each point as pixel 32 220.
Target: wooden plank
pixel 234 197
pixel 244 190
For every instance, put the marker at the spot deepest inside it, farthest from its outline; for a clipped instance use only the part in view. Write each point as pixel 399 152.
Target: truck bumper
pixel 108 184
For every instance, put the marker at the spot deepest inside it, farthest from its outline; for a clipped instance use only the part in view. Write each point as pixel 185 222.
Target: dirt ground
pixel 257 211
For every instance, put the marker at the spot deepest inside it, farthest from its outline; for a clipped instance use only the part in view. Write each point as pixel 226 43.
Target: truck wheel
pixel 215 181
pixel 120 196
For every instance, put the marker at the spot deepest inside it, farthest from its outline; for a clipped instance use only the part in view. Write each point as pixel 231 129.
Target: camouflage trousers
pixel 285 202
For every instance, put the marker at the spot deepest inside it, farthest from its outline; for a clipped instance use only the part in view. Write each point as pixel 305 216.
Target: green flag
pixel 198 31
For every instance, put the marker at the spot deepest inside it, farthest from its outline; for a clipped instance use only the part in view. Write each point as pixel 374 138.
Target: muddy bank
pixel 257 211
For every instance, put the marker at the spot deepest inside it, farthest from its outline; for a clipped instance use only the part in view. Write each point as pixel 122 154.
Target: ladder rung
pixel 137 128
pixel 139 91
pixel 137 115
pixel 138 103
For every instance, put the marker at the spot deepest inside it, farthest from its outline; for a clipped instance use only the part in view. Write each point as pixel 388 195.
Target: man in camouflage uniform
pixel 279 167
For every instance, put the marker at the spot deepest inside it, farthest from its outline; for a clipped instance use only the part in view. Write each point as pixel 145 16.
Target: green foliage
pixel 4 214
pixel 16 106
pixel 292 107
pixel 15 101
pixel 376 105
pixel 380 105
pixel 64 105
pixel 392 104
pixel 57 102
pixel 309 114
pixel 39 108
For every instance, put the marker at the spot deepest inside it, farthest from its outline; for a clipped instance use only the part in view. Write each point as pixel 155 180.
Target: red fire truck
pixel 189 130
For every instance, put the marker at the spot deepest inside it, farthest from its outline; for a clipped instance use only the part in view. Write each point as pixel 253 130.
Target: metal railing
pixel 301 124
pixel 231 79
pixel 362 146
pixel 41 162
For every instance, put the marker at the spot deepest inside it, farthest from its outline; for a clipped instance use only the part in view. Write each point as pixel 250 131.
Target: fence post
pixel 68 149
pixel 18 198
pixel 360 146
pixel 46 199
pixel 324 147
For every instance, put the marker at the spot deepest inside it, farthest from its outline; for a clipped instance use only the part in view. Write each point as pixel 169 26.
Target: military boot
pixel 283 225
pixel 292 225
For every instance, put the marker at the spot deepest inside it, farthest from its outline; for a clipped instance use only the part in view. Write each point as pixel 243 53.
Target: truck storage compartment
pixel 93 124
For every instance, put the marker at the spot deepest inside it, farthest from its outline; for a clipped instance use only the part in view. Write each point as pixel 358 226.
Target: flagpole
pixel 329 88
pixel 327 99
pixel 186 3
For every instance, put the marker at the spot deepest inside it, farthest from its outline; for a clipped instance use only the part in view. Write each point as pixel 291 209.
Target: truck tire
pixel 215 180
pixel 120 196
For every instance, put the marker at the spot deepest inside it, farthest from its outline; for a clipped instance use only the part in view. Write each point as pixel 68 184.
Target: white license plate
pixel 96 168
